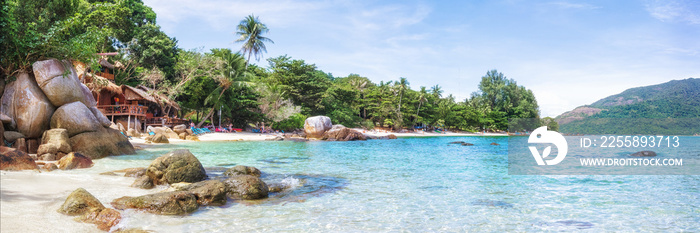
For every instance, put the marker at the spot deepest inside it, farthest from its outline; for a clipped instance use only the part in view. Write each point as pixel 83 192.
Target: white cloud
pixel 385 41
pixel 224 14
pixel 686 11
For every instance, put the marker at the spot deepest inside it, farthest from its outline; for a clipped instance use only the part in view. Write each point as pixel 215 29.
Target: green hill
pixel 656 104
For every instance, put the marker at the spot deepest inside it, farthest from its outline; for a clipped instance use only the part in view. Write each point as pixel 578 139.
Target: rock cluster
pixel 341 133
pixel 51 113
pixel 90 210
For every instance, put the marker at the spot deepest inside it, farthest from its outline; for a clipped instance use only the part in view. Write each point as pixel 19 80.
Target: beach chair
pixel 196 131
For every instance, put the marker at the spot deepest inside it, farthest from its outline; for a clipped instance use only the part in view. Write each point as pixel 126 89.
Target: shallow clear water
pixel 409 184
pixel 421 184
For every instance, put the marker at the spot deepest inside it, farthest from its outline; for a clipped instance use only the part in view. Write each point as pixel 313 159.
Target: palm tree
pixel 402 85
pixel 437 91
pixel 233 73
pixel 251 32
pixel 421 99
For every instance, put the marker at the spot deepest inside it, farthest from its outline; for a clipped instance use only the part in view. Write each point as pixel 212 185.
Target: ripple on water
pixel 567 224
pixel 492 203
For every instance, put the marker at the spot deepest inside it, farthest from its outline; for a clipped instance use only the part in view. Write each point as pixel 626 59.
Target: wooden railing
pixel 169 121
pixel 123 110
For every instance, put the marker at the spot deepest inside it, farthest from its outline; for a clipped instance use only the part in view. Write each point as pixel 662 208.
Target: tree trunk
pixel 211 112
pixel 417 111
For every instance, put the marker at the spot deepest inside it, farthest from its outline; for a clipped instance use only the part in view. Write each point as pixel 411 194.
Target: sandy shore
pixel 248 136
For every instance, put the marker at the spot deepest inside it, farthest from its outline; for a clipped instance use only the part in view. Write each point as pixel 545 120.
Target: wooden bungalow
pixel 169 109
pixel 139 106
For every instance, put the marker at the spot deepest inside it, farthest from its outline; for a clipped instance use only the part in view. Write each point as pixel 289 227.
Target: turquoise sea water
pixel 418 185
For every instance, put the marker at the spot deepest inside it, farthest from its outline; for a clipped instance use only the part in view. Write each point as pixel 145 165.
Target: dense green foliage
pixel 279 96
pixel 649 107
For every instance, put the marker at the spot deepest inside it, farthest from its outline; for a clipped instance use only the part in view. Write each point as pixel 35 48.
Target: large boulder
pixel 343 134
pixel 179 129
pixel 158 138
pixel 208 192
pixel 27 105
pixel 167 203
pixel 104 121
pixel 239 170
pixel 90 210
pixel 170 133
pixel 7 107
pixel 54 141
pixel 60 83
pixel 104 142
pixel 73 161
pixel 315 126
pixel 13 159
pixel 76 118
pixel 246 187
pixel 175 167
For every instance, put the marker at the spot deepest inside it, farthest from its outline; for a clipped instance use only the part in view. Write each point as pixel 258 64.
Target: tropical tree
pixel 251 32
pixel 421 100
pixel 402 85
pixel 153 76
pixel 233 74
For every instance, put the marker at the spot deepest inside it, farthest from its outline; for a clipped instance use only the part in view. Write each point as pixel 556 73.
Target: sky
pixel 569 53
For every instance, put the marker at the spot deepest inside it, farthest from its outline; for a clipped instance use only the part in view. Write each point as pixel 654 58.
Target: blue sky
pixel 570 53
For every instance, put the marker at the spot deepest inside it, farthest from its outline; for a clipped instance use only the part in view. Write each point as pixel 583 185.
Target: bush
pixel 295 121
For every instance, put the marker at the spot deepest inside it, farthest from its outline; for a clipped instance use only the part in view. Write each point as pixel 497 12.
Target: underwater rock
pixel 646 153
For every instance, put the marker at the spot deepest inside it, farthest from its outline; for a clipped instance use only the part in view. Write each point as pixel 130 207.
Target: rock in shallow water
pixel 80 202
pixel 73 161
pixel 143 182
pixel 646 153
pixel 246 187
pixel 168 203
pixel 175 167
pixel 242 170
pixel 208 192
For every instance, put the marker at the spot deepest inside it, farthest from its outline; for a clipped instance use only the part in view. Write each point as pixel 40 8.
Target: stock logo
pixel 542 135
